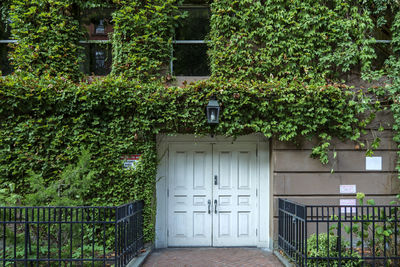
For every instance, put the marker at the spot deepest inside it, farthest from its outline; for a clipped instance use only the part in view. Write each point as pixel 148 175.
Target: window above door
pixel 97 47
pixel 189 56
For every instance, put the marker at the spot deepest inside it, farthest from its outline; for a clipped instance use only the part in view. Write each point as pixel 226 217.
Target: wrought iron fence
pixel 328 235
pixel 70 236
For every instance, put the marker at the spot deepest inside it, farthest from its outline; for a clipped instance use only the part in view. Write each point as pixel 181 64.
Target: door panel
pixel 192 172
pixel 234 224
pixel 190 169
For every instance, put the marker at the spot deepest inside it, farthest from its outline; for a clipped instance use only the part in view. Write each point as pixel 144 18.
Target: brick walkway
pixel 211 257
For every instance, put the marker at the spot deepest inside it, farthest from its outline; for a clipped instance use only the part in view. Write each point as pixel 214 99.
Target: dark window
pixel 5 66
pixel 97 47
pixel 383 50
pixel 196 25
pixel 97 22
pixel 190 47
pixel 97 59
pixel 382 33
pixel 191 60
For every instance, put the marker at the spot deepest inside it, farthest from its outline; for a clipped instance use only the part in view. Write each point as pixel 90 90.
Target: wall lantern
pixel 213 111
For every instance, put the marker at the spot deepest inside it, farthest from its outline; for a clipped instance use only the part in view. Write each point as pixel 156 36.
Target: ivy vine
pixel 305 39
pixel 48 35
pixel 276 69
pixel 142 40
pixel 389 94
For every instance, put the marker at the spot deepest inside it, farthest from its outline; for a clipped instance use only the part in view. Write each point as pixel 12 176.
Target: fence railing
pixel 70 236
pixel 328 235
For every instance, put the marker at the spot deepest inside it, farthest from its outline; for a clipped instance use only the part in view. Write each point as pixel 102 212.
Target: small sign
pixel 348 189
pixel 130 161
pixel 348 202
pixel 373 163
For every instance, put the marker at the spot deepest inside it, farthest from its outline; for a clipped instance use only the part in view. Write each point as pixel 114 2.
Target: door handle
pixel 215 179
pixel 215 206
pixel 209 206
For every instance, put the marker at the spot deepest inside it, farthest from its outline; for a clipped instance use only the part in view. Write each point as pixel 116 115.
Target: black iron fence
pixel 70 236
pixel 328 235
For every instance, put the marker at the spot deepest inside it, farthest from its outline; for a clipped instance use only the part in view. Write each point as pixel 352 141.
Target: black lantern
pixel 213 111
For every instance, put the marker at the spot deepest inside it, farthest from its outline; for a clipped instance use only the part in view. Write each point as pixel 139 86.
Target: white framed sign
pixel 373 163
pixel 348 202
pixel 130 161
pixel 348 189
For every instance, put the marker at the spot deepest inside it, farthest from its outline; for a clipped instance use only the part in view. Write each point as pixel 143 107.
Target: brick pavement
pixel 211 257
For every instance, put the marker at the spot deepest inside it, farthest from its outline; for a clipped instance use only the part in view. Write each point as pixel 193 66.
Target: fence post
pixel 116 253
pixel 339 235
pixel 280 222
pixel 26 237
pixel 305 223
pixel 135 225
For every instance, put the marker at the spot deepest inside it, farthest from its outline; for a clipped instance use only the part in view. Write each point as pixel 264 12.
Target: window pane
pixel 383 51
pixel 97 59
pixel 5 66
pixel 98 23
pixel 190 60
pixel 4 30
pixel 196 26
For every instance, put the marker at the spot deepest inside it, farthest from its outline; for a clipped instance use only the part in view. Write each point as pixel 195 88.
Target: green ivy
pixel 389 93
pixel 291 38
pixel 48 35
pixel 142 40
pixel 270 62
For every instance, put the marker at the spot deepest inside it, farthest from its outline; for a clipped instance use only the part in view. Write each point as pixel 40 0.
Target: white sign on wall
pixel 348 202
pixel 348 189
pixel 373 163
pixel 130 161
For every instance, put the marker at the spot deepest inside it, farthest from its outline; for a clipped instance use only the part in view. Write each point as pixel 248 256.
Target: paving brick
pixel 211 257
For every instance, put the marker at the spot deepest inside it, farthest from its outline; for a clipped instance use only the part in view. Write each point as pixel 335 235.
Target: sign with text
pixel 348 202
pixel 348 189
pixel 130 161
pixel 373 163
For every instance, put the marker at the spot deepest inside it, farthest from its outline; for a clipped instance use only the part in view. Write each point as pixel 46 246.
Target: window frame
pixel 6 42
pixel 186 42
pixel 100 42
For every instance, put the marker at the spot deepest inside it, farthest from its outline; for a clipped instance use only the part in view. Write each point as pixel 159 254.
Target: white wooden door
pixel 212 195
pixel 234 195
pixel 190 189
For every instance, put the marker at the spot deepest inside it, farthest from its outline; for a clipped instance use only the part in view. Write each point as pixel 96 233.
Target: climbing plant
pixel 48 35
pixel 309 39
pixel 142 40
pixel 270 62
pixel 389 93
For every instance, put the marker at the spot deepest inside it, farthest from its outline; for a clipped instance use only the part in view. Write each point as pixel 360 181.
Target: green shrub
pixel 325 248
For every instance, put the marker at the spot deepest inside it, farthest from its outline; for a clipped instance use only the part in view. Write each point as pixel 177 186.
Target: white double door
pixel 212 195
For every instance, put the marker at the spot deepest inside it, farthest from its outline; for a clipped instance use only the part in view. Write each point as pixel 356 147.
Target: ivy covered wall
pixel 142 39
pixel 270 65
pixel 309 39
pixel 48 35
